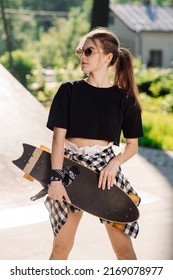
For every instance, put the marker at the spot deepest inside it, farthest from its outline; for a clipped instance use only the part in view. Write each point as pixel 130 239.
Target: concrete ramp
pixel 22 119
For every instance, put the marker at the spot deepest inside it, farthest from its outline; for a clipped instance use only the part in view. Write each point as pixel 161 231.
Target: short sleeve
pixel 132 120
pixel 58 115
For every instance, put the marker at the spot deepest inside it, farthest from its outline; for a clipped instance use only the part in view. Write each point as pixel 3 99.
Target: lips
pixel 84 63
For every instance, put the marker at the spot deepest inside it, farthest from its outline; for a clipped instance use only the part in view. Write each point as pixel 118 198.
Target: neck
pixel 98 81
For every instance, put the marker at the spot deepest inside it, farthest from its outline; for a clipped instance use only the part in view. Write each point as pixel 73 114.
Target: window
pixel 155 59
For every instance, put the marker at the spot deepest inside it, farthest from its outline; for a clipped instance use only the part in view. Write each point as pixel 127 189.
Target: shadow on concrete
pixel 161 160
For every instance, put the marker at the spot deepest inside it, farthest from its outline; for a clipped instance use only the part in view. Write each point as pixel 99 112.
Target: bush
pixel 163 104
pixel 46 96
pixel 69 73
pixel 154 81
pixel 57 47
pixel 158 130
pixel 157 119
pixel 22 65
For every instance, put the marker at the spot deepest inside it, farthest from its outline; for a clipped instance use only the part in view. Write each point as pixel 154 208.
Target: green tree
pixel 6 31
pixel 49 5
pixel 23 65
pixel 58 46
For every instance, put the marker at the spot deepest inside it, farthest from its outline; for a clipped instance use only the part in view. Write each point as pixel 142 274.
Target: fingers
pixel 106 180
pixel 66 197
pixel 110 182
pixel 58 192
pixel 100 179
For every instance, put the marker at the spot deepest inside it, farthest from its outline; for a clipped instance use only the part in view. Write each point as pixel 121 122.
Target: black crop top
pixel 95 113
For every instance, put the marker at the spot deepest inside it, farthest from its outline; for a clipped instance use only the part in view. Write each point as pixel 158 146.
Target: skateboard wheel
pixel 44 148
pixel 28 177
pixel 119 226
pixel 135 198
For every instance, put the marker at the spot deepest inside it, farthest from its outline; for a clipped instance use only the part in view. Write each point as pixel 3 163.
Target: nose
pixel 82 54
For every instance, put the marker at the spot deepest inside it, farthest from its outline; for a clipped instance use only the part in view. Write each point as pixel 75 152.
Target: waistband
pixel 86 150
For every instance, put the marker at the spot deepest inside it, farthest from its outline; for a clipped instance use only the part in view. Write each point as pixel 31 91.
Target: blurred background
pixel 38 41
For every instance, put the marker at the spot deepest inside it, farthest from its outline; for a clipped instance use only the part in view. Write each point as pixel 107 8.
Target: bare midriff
pixel 82 142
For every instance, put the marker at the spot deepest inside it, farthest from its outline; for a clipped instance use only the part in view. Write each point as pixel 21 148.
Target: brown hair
pixel 121 60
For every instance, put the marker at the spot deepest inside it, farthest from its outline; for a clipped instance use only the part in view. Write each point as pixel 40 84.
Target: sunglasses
pixel 86 52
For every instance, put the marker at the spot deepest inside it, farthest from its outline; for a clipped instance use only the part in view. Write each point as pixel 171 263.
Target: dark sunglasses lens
pixel 88 52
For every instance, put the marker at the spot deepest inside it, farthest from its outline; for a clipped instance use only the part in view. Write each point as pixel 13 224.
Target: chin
pixel 84 68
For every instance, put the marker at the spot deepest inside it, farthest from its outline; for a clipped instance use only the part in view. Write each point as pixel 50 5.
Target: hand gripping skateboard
pixel 113 205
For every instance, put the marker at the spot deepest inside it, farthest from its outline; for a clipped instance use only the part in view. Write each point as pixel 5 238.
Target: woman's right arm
pixel 56 190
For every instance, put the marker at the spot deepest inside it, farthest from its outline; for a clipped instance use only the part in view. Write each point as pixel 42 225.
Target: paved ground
pixel 25 231
pixel 26 234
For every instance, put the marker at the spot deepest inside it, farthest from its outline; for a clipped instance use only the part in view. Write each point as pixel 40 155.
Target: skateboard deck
pixel 113 205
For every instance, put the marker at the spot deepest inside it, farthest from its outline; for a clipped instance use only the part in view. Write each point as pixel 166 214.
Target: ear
pixel 109 57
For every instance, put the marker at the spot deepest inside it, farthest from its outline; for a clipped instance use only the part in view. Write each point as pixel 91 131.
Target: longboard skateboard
pixel 113 205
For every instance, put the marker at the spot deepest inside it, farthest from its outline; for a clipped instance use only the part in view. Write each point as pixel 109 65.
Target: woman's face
pixel 92 57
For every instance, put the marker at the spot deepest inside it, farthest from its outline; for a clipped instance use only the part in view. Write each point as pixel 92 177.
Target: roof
pixel 144 18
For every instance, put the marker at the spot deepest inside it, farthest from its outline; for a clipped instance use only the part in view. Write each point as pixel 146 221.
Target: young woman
pixel 87 117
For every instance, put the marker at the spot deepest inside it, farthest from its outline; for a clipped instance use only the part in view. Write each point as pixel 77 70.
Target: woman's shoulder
pixel 67 87
pixel 72 83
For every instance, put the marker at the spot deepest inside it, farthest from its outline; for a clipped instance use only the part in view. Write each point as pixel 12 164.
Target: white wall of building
pixel 141 43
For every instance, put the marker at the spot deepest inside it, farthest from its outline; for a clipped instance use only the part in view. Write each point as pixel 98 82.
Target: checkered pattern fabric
pixel 58 213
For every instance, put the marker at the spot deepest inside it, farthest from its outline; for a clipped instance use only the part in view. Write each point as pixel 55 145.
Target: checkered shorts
pixel 58 213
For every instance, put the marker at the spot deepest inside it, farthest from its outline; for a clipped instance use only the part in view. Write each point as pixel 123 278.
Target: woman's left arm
pixel 107 175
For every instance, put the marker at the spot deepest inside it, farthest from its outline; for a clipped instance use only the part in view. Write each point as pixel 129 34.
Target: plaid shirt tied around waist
pixel 58 212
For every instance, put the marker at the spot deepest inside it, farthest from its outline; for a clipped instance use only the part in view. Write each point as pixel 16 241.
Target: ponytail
pixel 124 75
pixel 121 60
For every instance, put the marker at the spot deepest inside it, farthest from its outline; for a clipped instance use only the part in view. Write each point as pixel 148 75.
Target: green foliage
pixel 23 31
pixel 76 26
pixel 69 73
pixel 158 130
pixel 65 5
pixel 52 5
pixel 156 85
pixel 162 104
pixel 52 49
pixel 157 125
pixel 49 5
pixel 46 96
pixel 154 81
pixel 167 103
pixel 47 49
pixel 57 47
pixel 23 65
pixel 3 43
pixel 157 107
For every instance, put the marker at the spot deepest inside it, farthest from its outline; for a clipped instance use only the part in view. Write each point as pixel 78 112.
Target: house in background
pixel 146 30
